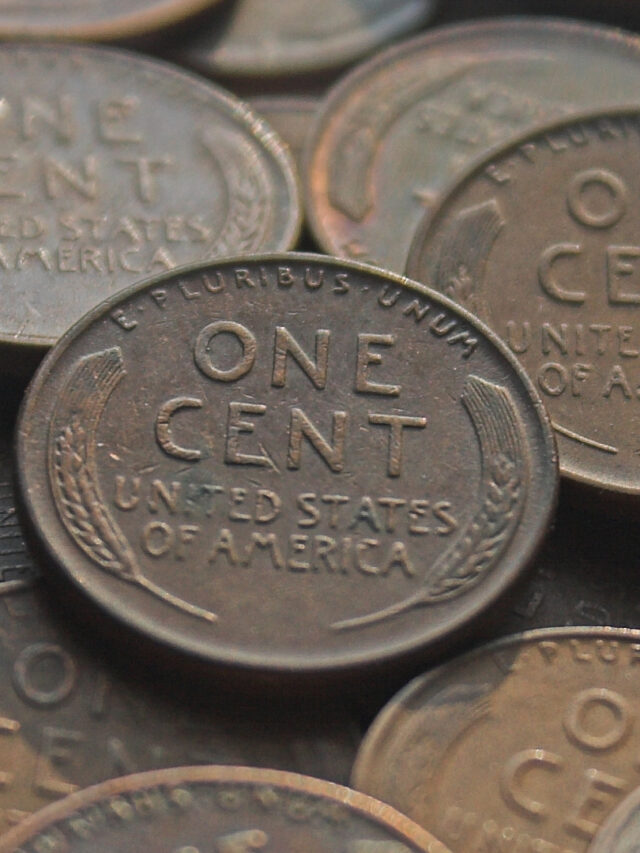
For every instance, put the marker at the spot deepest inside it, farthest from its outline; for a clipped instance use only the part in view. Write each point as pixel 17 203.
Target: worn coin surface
pixel 621 831
pixel 260 37
pixel 100 189
pixel 289 462
pixel 91 19
pixel 541 242
pixel 230 809
pixel 71 717
pixel 291 116
pixel 398 129
pixel 525 744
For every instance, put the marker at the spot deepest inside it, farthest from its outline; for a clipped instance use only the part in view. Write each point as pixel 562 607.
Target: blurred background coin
pixel 398 129
pixel 235 809
pixel 532 739
pixel 114 167
pixel 291 117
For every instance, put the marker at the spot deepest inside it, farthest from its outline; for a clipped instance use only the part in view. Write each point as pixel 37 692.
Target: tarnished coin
pixel 71 717
pixel 395 131
pixel 91 19
pixel 114 167
pixel 291 117
pixel 621 831
pixel 524 745
pixel 230 809
pixel 541 242
pixel 266 38
pixel 288 463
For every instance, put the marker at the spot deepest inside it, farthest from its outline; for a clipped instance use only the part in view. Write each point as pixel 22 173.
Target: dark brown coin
pixel 288 463
pixel 99 188
pixel 525 745
pixel 260 37
pixel 397 130
pixel 91 19
pixel 540 241
pixel 621 832
pixel 291 117
pixel 70 716
pixel 227 809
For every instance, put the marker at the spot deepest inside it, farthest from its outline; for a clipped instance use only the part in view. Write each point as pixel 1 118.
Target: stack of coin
pixel 253 491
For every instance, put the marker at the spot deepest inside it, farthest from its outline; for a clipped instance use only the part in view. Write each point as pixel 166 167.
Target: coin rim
pixel 544 501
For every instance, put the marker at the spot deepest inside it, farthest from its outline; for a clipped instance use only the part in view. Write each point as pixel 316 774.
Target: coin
pixel 528 742
pixel 262 38
pixel 189 809
pixel 540 240
pixel 291 116
pixel 100 189
pixel 621 831
pixel 287 463
pixel 91 19
pixel 397 130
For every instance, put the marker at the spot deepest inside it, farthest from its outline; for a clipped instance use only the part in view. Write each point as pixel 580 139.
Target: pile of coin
pixel 251 492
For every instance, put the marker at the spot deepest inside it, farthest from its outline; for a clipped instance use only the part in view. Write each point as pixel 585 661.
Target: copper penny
pixel 540 241
pixel 621 831
pixel 288 463
pixel 91 19
pixel 397 130
pixel 291 116
pixel 263 38
pixel 230 809
pixel 99 189
pixel 525 744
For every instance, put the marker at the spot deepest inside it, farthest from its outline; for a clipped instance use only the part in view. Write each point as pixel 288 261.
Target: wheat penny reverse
pixel 526 744
pixel 288 463
pixel 230 809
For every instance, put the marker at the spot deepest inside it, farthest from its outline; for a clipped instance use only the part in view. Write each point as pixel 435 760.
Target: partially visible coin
pixel 266 38
pixel 621 831
pixel 286 463
pixel 291 117
pixel 227 809
pixel 91 19
pixel 99 188
pixel 541 241
pixel 397 130
pixel 528 742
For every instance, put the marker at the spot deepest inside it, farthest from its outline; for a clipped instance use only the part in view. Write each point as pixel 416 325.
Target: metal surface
pixel 621 832
pixel 100 188
pixel 291 117
pixel 267 38
pixel 540 241
pixel 397 130
pixel 288 463
pixel 230 809
pixel 531 741
pixel 91 19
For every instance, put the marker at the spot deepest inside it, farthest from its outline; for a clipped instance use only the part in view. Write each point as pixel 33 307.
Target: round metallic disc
pixel 286 462
pixel 621 831
pixel 98 189
pixel 540 241
pixel 230 809
pixel 71 717
pixel 530 741
pixel 91 19
pixel 291 116
pixel 263 38
pixel 398 129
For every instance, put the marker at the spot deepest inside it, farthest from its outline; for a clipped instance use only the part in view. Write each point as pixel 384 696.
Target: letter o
pixel 202 350
pixel 615 188
pixel 23 674
pixel 554 386
pixel 157 538
pixel 574 723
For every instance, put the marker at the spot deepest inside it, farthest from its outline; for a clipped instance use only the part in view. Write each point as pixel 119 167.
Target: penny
pixel 291 117
pixel 287 463
pixel 262 38
pixel 397 130
pixel 235 809
pixel 99 189
pixel 70 716
pixel 91 19
pixel 540 241
pixel 525 744
pixel 621 831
